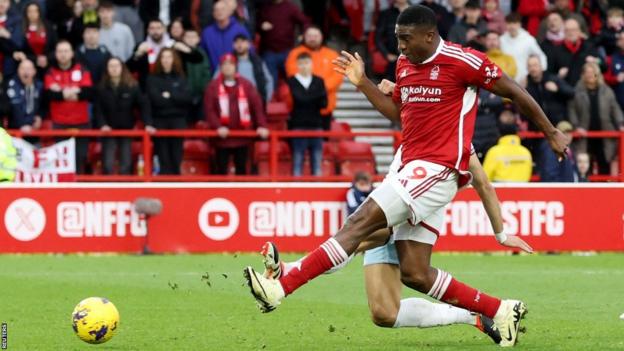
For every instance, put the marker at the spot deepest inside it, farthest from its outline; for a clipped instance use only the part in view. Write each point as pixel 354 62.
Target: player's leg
pixel 388 205
pixel 416 272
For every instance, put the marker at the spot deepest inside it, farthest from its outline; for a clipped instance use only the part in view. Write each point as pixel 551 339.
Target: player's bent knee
pixel 382 316
pixel 416 280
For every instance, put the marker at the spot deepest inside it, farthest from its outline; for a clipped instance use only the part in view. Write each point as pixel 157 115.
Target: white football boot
pixel 270 258
pixel 267 292
pixel 507 320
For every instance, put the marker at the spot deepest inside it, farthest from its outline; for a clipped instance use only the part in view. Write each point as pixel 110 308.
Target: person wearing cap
pixel 550 168
pixel 232 103
pixel 470 26
pixel 508 161
pixel 251 67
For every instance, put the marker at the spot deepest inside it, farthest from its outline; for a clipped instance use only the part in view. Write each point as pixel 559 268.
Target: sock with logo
pixel 421 313
pixel 447 289
pixel 288 266
pixel 328 255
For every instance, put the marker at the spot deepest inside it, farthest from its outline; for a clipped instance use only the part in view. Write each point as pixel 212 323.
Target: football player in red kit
pixel 435 98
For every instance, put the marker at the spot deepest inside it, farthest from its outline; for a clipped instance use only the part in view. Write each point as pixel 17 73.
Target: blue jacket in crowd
pixel 22 111
pixel 355 198
pixel 217 42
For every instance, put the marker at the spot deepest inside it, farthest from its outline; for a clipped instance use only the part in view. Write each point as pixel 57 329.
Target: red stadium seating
pixel 355 156
pixel 262 157
pixel 277 115
pixel 196 160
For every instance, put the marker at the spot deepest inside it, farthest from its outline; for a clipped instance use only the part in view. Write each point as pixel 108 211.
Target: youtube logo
pixel 218 219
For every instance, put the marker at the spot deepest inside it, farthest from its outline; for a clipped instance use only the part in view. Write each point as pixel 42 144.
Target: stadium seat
pixel 277 115
pixel 262 158
pixel 194 167
pixel 196 160
pixel 340 127
pixel 355 156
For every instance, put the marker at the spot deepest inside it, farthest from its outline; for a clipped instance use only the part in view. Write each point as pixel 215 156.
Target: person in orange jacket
pixel 322 58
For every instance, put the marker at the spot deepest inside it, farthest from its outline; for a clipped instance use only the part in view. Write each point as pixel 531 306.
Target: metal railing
pixel 273 139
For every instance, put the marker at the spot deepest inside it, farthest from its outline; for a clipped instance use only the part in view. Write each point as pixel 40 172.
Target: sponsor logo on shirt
pixel 435 72
pixel 420 94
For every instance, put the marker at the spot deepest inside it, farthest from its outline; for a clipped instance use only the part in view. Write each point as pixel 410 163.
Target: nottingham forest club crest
pixel 435 72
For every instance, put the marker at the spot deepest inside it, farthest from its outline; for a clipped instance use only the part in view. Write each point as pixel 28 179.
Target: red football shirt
pixel 439 99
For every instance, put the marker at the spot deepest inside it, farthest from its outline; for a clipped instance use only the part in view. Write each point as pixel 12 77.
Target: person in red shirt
pixel 40 38
pixel 68 87
pixel 435 98
pixel 231 102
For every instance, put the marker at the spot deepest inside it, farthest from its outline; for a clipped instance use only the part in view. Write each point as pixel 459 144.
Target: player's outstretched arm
pixel 507 87
pixel 492 206
pixel 352 67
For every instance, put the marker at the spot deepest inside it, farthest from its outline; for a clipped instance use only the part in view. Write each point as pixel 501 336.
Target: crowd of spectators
pixel 171 64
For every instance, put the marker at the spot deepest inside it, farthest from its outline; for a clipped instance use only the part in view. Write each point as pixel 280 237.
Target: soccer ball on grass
pixel 95 320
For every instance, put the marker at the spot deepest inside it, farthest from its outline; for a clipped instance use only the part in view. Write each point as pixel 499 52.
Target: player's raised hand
pixel 514 241
pixel 351 67
pixel 386 86
pixel 559 143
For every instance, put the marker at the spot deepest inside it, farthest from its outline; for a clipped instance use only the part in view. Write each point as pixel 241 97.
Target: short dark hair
pixel 241 37
pixel 91 25
pixel 488 32
pixel 304 56
pixel 418 15
pixel 155 19
pixel 361 176
pixel 513 17
pixel 472 4
pixel 106 4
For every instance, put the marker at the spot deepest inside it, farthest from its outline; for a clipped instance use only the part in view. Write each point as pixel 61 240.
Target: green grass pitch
pixel 199 302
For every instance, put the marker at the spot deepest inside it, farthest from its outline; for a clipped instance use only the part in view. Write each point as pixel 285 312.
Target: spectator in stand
pixel 594 108
pixel 508 161
pixel 506 62
pixel 551 169
pixel 533 11
pixel 583 167
pixel 118 94
pixel 244 11
pixel 71 28
pixel 385 39
pixel 607 39
pixel 277 21
pixel 615 74
pixel 199 74
pixel 116 36
pixel 170 97
pixel 11 38
pixel 445 20
pixel 251 67
pixel 549 91
pixel 69 90
pixel 322 66
pixel 176 29
pixel 552 34
pixel 23 98
pixel 470 26
pixel 143 61
pixel 361 187
pixel 91 53
pixel 126 12
pixel 567 59
pixel 520 44
pixel 486 129
pixel 217 39
pixel 201 14
pixel 232 103
pixel 89 12
pixel 494 16
pixel 163 10
pixel 39 37
pixel 308 97
pixel 458 10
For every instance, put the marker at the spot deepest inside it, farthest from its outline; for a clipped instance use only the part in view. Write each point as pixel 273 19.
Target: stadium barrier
pixel 274 139
pixel 233 217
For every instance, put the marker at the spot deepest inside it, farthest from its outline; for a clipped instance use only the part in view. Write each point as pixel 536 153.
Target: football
pixel 95 320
